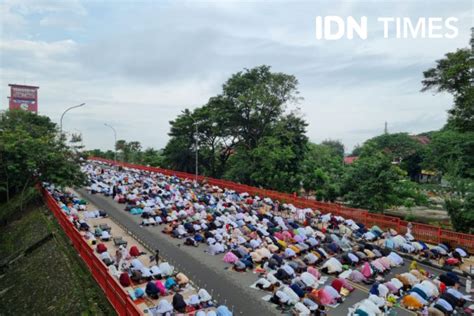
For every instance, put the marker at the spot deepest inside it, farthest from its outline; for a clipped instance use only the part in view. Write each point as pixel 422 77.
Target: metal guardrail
pixel 114 292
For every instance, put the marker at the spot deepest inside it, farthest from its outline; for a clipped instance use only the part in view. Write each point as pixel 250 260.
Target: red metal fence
pixel 427 233
pixel 114 292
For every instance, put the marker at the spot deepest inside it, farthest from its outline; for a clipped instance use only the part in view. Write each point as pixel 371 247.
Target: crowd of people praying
pixel 168 291
pixel 292 249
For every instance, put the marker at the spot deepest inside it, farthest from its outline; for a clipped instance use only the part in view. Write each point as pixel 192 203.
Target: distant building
pixel 350 159
pixel 429 176
pixel 424 140
pixel 23 97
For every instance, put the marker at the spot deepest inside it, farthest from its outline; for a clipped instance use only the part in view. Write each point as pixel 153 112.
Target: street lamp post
pixel 197 150
pixel 196 144
pixel 65 111
pixel 115 138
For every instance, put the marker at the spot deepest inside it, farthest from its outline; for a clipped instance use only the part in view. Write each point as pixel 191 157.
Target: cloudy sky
pixel 137 64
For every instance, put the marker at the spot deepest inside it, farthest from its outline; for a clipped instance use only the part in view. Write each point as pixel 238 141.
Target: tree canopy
pixel 244 133
pixel 370 181
pixel 322 170
pixel 131 152
pixel 31 151
pixel 453 74
pixel 399 147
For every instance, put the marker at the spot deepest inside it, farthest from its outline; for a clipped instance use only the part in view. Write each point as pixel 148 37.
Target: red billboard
pixel 24 97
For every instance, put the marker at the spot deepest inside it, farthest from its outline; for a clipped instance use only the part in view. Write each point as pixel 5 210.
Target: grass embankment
pixel 48 278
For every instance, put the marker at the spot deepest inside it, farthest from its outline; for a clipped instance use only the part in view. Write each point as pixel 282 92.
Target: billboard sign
pixel 24 97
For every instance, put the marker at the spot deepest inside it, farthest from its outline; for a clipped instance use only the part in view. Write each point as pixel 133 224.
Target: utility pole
pixel 196 148
pixel 196 143
pixel 115 140
pixel 65 111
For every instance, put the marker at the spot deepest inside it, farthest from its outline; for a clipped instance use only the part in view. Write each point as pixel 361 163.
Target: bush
pixel 461 213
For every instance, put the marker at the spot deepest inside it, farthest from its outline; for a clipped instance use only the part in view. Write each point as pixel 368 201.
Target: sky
pixel 138 64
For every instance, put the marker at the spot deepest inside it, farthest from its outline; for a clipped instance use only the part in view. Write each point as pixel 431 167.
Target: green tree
pixel 256 98
pixel 357 150
pixel 109 154
pixel 129 151
pixel 276 162
pixel 122 149
pixel 248 114
pixel 135 152
pixel 322 171
pixel 400 147
pixel 453 74
pixel 152 157
pixel 336 145
pixel 370 182
pixel 461 213
pixel 179 151
pixel 452 153
pixel 32 151
pixel 76 143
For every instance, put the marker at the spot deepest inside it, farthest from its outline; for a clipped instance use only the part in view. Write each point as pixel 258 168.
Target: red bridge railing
pixel 423 232
pixel 114 292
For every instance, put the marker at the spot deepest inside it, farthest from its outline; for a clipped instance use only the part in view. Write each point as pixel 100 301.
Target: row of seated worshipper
pixel 450 255
pixel 296 285
pixel 71 206
pixel 368 271
pixel 69 203
pixel 169 198
pixel 383 296
pixel 165 308
pixel 160 279
pixel 447 254
pixel 134 270
pixel 172 195
pixel 200 300
pixel 193 232
pixel 206 217
pixel 275 230
pixel 248 238
pixel 216 245
pixel 440 297
pixel 420 293
pixel 308 299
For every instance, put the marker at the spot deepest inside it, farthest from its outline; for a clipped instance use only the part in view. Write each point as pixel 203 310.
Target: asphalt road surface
pixel 210 272
pixel 199 266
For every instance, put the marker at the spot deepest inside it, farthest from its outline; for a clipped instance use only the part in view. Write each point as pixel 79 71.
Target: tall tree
pixel 322 171
pixel 454 74
pixel 152 157
pixel 256 98
pixel 179 151
pixel 32 151
pixel 129 151
pixel 276 162
pixel 234 123
pixel 452 153
pixel 370 182
pixel 400 147
pixel 336 145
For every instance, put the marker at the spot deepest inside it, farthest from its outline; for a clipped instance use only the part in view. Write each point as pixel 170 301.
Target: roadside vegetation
pixel 39 269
